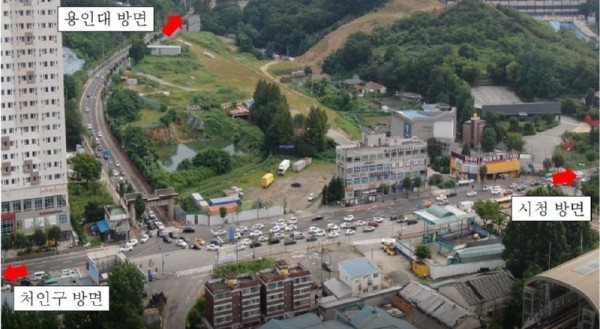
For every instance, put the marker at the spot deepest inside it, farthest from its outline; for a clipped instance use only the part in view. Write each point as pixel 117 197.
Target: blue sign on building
pixel 231 233
pixel 287 146
pixel 407 130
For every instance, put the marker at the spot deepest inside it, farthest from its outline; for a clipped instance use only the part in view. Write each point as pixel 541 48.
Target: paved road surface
pixel 542 145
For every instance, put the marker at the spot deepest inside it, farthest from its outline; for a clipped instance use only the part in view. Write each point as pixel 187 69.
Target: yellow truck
pixel 267 180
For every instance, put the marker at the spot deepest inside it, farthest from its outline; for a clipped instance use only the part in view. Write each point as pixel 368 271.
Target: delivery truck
pixel 283 167
pixel 465 205
pixel 267 180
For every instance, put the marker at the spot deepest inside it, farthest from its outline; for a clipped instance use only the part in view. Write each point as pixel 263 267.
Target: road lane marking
pixel 190 271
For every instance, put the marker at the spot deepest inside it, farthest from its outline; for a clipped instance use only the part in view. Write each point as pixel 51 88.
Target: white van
pixel 38 275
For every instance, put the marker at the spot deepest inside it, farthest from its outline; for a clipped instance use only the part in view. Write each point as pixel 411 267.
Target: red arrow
pixel 13 273
pixel 566 176
pixel 173 24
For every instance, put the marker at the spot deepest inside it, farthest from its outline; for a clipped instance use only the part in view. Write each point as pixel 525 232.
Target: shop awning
pixel 103 226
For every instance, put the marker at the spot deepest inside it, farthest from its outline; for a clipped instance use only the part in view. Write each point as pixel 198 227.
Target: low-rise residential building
pixel 373 89
pixel 426 124
pixel 233 301
pixel 379 159
pixel 360 275
pixel 483 294
pixel 285 291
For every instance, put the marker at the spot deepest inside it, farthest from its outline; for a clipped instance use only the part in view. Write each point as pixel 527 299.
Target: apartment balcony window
pixel 39 202
pixel 5 207
pixel 17 206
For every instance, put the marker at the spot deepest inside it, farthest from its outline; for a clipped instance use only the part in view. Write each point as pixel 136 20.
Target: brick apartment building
pixel 285 291
pixel 232 302
pixel 239 301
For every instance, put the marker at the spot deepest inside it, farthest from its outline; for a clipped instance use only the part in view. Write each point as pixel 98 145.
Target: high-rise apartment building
pixel 34 166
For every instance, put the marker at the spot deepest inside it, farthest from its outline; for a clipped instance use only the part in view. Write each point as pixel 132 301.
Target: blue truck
pixel 225 200
pixel 105 154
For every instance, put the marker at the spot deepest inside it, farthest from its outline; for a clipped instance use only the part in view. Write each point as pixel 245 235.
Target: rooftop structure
pixel 524 110
pixel 232 301
pixel 360 275
pixel 431 122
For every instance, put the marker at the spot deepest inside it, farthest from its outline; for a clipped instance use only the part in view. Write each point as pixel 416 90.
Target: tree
pixel 590 96
pixel 138 50
pixel 194 317
pixel 547 163
pixel 139 206
pixel 558 159
pixel 529 129
pixel 548 118
pixel 73 127
pixel 38 238
pixel 54 235
pixel 316 128
pixel 488 139
pixel 86 167
pixel 124 106
pixel 566 239
pixel 483 171
pixel 299 121
pixel 7 241
pixel 488 211
pixel 435 179
pixel 514 141
pixel 434 148
pixel 590 188
pixel 222 213
pixel 217 160
pixel 514 125
pixel 29 320
pixel 20 240
pixel 417 182
pixel 407 185
pixel 422 252
pixel 568 106
pixel 126 290
pixel 308 71
pixel 591 155
pixel 281 129
pixel 93 211
pixel 466 150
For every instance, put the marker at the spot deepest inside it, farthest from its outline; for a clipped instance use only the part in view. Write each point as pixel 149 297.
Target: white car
pixel 278 235
pixel 313 229
pixel 320 233
pixel 263 239
pixel 349 218
pixel 67 273
pixel 280 221
pixel 246 241
pixel 332 227
pixel 116 173
pixel 242 228
pixel 311 197
pixel 212 247
pixel 126 248
pixel 291 228
pixel 133 242
pixel 89 126
pixel 360 223
pixel 485 188
pixel 350 232
pixel 237 236
pixel 151 214
pixel 513 185
pixel 241 247
pixel 368 229
pixel 345 225
pixel 333 235
pixel 99 135
pixel 161 226
pixel 471 193
pixel 378 219
pixel 144 238
pixel 256 233
pixel 441 197
pixel 257 227
pixel 182 244
pixel 293 220
pixel 274 229
pixel 495 192
pixel 118 165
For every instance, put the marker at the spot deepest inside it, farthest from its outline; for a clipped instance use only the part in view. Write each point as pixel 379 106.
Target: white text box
pixel 105 19
pixel 61 298
pixel 552 208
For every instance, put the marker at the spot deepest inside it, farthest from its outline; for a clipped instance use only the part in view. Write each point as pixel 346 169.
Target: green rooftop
pixel 251 266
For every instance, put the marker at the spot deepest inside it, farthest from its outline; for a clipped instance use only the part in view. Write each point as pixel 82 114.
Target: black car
pixel 317 218
pixel 451 194
pixel 166 240
pixel 189 230
pixel 326 266
pixel 196 246
pixel 312 238
pixel 255 244
pixel 215 242
pixel 596 170
pixel 412 222
pixel 394 218
pixel 289 242
pixel 151 225
pixel 296 184
pixel 274 241
pixel 173 236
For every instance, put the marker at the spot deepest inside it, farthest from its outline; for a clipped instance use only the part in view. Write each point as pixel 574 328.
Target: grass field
pixel 283 68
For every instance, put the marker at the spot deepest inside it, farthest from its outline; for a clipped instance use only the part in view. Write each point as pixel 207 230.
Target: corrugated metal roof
pixel 370 317
pixel 529 108
pixel 435 305
pixel 359 267
pixel 485 287
pixel 494 249
pixel 338 288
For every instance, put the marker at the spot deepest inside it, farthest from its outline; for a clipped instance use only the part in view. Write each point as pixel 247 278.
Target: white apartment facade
pixel 361 275
pixel 377 160
pixel 34 165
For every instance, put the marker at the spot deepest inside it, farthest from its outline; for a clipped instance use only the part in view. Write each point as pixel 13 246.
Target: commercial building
pixel 472 131
pixel 524 111
pixel 498 165
pixel 432 122
pixel 34 155
pixel 233 301
pixel 360 275
pixel 379 159
pixel 284 291
pixel 565 296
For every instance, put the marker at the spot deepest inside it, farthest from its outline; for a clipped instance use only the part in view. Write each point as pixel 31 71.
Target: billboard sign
pixel 226 254
pixel 407 130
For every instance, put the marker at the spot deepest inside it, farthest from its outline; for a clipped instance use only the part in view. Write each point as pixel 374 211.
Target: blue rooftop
pixel 103 226
pixel 359 267
pixel 420 114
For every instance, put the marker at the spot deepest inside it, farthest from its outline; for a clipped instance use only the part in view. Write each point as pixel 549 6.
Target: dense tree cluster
pixel 86 167
pixel 73 126
pixel 333 192
pixel 439 56
pixel 124 106
pixel 280 26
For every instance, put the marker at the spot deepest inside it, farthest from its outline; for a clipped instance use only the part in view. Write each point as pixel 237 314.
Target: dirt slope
pixel 394 10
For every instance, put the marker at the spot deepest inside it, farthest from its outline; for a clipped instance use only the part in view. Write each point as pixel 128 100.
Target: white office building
pixel 34 165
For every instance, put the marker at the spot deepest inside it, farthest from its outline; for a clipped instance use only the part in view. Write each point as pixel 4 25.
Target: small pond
pixel 170 156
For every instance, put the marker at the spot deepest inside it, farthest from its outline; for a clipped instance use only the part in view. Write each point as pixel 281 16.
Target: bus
pixel 504 202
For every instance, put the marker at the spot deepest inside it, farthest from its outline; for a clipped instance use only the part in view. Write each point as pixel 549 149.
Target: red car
pixel 508 192
pixel 374 224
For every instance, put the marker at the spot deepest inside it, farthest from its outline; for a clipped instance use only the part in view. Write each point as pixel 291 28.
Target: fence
pixel 244 216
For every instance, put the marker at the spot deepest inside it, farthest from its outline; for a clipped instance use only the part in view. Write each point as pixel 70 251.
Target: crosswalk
pixel 366 242
pixel 195 270
pixel 168 229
